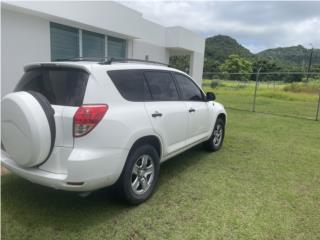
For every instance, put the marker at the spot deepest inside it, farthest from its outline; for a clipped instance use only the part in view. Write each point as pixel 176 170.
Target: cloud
pixel 256 25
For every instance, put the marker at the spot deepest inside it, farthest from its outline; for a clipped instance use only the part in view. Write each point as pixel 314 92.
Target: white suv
pixel 81 126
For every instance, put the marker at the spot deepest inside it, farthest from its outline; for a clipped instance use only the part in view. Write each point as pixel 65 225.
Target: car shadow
pixel 23 201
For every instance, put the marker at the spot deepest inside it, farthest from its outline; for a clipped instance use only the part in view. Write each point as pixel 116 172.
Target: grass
pixel 311 87
pixel 270 98
pixel 263 184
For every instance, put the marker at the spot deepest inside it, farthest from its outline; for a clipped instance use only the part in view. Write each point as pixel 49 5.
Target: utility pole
pixel 310 61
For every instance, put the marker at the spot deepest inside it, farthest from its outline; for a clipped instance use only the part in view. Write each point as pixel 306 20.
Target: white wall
pixel 154 52
pixel 24 39
pixel 178 37
pixel 196 66
pixel 108 15
pixel 25 34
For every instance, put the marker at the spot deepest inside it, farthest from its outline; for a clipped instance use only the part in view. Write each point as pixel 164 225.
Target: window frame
pixel 180 90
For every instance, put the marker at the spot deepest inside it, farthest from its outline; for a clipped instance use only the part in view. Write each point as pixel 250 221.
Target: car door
pixel 169 115
pixel 197 108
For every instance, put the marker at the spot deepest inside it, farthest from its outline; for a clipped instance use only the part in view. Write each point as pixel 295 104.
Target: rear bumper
pixel 86 170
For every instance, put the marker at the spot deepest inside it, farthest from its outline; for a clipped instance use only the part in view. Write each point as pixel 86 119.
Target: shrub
pixel 311 87
pixel 214 84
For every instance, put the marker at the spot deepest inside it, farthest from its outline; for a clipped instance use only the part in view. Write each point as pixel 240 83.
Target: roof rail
pixel 93 59
pixel 107 60
pixel 124 60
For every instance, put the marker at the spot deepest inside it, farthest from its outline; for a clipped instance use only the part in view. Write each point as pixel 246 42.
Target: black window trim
pixel 180 91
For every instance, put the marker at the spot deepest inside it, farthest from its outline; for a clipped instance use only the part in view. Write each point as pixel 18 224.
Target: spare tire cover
pixel 27 127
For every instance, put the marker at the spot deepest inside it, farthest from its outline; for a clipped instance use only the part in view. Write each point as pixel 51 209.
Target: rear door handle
pixel 156 114
pixel 191 110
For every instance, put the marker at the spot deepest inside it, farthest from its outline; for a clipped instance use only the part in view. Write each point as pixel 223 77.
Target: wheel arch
pixel 222 116
pixel 149 139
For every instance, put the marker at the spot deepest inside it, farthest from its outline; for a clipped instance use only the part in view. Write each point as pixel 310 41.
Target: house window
pixel 93 44
pixel 68 42
pixel 64 41
pixel 116 47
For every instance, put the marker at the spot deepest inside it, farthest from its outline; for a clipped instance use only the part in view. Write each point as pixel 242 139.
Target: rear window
pixel 131 84
pixel 61 86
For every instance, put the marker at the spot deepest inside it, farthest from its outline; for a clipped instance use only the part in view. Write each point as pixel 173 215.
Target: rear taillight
pixel 86 118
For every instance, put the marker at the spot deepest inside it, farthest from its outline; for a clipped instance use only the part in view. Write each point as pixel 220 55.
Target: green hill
pixel 296 55
pixel 219 47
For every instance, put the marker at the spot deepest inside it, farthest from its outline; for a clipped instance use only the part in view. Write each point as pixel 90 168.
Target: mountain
pixel 219 47
pixel 296 55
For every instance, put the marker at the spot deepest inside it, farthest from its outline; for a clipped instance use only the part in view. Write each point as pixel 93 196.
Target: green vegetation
pixel 295 55
pixel 238 65
pixel 219 48
pixel 263 184
pixel 277 97
pixel 224 54
pixel 180 62
pixel 288 59
pixel 304 87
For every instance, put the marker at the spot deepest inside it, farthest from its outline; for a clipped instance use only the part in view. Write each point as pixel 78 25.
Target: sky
pixel 256 25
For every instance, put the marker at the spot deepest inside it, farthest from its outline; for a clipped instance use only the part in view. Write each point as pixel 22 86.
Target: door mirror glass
pixel 211 96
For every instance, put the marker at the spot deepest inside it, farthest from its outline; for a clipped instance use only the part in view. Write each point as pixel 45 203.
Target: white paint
pixel 155 52
pixel 24 39
pixel 25 129
pixel 26 34
pixel 97 159
pixel 196 66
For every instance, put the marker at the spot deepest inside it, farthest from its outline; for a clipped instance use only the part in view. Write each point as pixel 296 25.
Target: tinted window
pixel 189 90
pixel 61 86
pixel 93 44
pixel 64 41
pixel 131 84
pixel 116 47
pixel 161 86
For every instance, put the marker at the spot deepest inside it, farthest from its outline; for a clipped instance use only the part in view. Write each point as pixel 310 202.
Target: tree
pixel 210 68
pixel 240 67
pixel 315 69
pixel 181 62
pixel 266 66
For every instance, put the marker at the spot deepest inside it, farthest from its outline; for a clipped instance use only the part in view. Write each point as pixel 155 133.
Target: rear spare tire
pixel 27 127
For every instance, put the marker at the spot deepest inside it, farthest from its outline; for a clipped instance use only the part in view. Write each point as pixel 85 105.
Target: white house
pixel 45 31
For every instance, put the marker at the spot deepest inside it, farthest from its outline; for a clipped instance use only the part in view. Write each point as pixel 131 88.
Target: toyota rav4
pixel 81 126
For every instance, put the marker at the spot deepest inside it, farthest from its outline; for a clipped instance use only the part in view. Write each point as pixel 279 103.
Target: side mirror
pixel 210 96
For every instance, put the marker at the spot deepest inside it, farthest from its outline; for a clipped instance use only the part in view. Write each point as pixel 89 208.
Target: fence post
pixel 255 91
pixel 318 109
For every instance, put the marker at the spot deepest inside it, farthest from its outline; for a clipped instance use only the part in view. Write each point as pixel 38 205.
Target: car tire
pixel 215 142
pixel 140 174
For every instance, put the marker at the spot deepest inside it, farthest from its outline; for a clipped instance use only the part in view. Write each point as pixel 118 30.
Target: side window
pixel 189 90
pixel 131 84
pixel 162 86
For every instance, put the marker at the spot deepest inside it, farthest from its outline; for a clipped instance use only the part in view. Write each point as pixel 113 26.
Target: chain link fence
pixel 294 94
